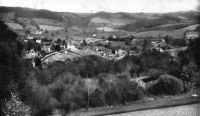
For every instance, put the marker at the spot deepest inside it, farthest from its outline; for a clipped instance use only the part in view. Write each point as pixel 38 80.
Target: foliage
pixel 28 13
pixel 97 98
pixel 167 85
pixel 194 47
pixel 190 73
pixel 154 59
pixel 10 61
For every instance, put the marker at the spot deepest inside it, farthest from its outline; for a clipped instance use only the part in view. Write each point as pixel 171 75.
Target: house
pixel 38 32
pixel 46 48
pixel 38 41
pixel 70 46
pixel 30 37
pixel 25 40
pixel 92 40
pixel 120 52
pixel 31 54
pixel 191 35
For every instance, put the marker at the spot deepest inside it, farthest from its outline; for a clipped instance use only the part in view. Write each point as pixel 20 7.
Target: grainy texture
pixel 186 110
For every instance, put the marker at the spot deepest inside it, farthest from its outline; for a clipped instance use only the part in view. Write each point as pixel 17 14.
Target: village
pixel 48 51
pixel 62 50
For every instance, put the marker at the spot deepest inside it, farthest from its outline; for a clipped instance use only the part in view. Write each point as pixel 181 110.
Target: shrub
pixel 97 98
pixel 131 91
pixel 71 101
pixel 112 96
pixel 190 73
pixel 166 85
pixel 123 91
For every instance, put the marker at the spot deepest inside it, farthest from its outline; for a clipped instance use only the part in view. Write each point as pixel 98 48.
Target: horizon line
pixel 100 11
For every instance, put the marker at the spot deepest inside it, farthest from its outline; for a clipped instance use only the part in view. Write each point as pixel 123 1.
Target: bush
pixel 113 96
pixel 97 98
pixel 166 85
pixel 123 91
pixel 190 73
pixel 131 91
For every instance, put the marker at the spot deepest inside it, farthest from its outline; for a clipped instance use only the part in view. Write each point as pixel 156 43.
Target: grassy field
pixel 14 26
pixel 178 33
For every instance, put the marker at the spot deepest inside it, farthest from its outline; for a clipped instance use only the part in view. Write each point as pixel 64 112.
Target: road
pixel 185 110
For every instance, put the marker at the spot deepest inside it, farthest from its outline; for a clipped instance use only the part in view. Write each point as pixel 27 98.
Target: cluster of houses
pixel 191 35
pixel 110 54
pixel 46 45
pixel 159 45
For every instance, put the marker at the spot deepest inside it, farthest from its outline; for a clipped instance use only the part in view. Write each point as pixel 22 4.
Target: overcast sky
pixel 159 6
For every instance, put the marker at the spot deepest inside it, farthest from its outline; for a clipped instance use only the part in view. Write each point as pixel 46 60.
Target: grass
pixel 177 33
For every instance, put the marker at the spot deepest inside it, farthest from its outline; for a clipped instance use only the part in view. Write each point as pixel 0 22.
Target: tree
pixel 63 42
pixel 38 63
pixel 195 47
pixel 128 41
pixel 10 62
pixel 147 45
pixel 84 43
pixel 59 41
pixel 191 73
pixel 57 48
pixel 33 45
pixel 162 85
pixel 97 98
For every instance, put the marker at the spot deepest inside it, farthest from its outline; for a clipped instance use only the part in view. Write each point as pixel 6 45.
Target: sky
pixel 87 6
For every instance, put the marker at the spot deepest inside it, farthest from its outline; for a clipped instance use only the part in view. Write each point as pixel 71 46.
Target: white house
pixel 38 32
pixel 38 41
pixel 192 34
pixel 29 37
pixel 32 54
pixel 70 46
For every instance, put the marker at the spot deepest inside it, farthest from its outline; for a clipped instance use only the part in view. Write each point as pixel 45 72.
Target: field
pixel 51 28
pixel 178 33
pixel 14 26
pixel 43 21
pixel 107 29
pixel 113 21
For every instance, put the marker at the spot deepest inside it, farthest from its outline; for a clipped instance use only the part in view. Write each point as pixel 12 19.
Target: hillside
pixel 175 33
pixel 171 19
pixel 103 21
pixel 31 13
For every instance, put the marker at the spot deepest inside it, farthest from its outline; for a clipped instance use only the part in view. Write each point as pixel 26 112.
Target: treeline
pixel 11 66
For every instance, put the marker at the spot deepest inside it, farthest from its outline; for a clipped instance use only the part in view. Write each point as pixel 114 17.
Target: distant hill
pixel 163 19
pixel 176 33
pixel 120 20
pixel 31 13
